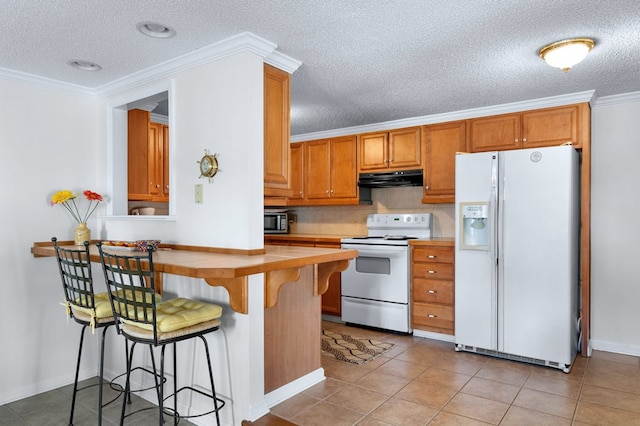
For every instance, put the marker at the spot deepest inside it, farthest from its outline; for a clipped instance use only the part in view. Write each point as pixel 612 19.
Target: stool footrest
pixel 220 403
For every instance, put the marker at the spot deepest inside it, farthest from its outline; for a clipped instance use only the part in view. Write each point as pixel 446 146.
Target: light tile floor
pixel 418 382
pixel 422 381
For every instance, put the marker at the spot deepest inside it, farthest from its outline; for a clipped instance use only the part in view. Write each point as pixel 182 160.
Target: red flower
pixel 92 196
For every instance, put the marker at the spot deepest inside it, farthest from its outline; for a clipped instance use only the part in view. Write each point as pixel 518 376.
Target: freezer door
pixel 475 267
pixel 539 243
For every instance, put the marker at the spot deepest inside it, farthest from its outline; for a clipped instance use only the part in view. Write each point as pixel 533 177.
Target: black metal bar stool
pixel 141 319
pixel 84 306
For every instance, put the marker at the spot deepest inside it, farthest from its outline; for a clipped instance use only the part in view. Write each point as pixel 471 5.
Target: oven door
pixel 379 273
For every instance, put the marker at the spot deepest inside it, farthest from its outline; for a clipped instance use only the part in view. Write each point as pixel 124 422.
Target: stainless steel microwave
pixel 276 223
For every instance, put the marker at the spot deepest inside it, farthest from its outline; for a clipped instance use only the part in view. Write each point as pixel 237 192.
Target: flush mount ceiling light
pixel 153 29
pixel 84 65
pixel 566 53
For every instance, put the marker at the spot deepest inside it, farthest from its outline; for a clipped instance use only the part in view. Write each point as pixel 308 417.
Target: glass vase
pixel 82 234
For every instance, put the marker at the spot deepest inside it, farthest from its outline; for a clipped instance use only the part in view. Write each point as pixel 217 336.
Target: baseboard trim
pixel 602 345
pixel 434 336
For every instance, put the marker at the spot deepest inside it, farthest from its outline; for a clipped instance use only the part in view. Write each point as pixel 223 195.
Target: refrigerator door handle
pixel 495 249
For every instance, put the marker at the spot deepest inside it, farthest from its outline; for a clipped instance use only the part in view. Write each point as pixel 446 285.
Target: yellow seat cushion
pixel 103 305
pixel 178 313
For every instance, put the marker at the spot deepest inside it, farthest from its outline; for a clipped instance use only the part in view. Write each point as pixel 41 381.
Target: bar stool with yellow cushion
pixel 87 308
pixel 141 319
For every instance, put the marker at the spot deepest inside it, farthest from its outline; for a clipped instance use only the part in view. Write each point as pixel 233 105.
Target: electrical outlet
pixel 198 194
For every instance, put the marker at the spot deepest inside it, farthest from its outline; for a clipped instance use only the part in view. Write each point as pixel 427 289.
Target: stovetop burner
pixel 399 237
pixel 386 237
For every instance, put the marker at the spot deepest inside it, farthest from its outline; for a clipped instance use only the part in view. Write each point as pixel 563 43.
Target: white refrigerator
pixel 517 254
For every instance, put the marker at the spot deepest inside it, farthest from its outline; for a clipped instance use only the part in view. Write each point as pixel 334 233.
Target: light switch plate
pixel 198 194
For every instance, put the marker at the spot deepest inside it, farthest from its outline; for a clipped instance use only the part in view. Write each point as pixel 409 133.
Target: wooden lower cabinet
pixel 332 298
pixel 432 287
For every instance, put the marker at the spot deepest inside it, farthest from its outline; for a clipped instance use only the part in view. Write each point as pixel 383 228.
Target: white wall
pixel 54 140
pixel 48 143
pixel 615 252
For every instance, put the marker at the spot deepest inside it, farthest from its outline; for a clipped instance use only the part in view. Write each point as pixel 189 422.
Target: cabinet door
pixel 318 167
pixel 404 148
pixel 550 127
pixel 276 132
pixel 154 160
pixel 165 161
pixel 497 133
pixel 297 173
pixel 373 151
pixel 441 142
pixel 137 154
pixel 344 183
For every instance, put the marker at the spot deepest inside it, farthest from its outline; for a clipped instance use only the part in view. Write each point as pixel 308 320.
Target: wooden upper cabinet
pixel 552 126
pixel 148 158
pixel 330 171
pixel 165 161
pixel 344 180
pixel 404 148
pixel 318 164
pixel 276 132
pixel 441 142
pixel 373 151
pixel 393 150
pixel 297 172
pixel 496 133
pixel 530 129
pixel 137 155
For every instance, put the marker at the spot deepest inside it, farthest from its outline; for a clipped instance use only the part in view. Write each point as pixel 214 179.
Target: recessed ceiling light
pixel 84 65
pixel 153 29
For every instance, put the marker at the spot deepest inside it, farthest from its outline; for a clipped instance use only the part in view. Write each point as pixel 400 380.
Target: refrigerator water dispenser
pixel 474 227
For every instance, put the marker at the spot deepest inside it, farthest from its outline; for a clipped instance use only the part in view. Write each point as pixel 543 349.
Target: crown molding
pixel 282 61
pixel 48 83
pixel 243 42
pixel 548 102
pixel 617 99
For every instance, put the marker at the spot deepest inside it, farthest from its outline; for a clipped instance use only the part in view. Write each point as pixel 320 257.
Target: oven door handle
pixel 378 251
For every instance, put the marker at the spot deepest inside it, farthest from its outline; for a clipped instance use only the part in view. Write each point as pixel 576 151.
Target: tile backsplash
pixel 351 220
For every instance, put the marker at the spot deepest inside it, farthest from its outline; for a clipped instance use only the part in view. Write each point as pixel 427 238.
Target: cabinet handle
pixel 432 291
pixel 524 140
pixel 332 191
pixel 327 192
pixel 432 272
pixel 426 187
pixel 432 316
pixel 431 256
pixel 515 141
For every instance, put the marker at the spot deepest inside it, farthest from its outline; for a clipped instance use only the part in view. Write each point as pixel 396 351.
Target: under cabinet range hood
pixel 391 179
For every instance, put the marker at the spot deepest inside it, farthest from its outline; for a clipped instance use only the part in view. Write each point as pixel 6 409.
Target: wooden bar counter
pixel 294 278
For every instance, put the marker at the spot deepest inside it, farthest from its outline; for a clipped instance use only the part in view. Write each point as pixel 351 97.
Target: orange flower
pixel 92 196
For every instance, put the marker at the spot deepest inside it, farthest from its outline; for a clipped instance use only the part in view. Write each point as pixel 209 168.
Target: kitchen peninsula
pixel 294 278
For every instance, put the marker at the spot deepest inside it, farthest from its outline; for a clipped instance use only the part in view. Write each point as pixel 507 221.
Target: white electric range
pixel 376 288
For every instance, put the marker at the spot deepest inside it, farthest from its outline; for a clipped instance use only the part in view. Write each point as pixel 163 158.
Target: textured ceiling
pixel 363 61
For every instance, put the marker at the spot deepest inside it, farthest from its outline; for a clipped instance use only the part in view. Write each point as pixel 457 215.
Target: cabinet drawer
pixel 432 254
pixel 432 291
pixel 433 271
pixel 437 316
